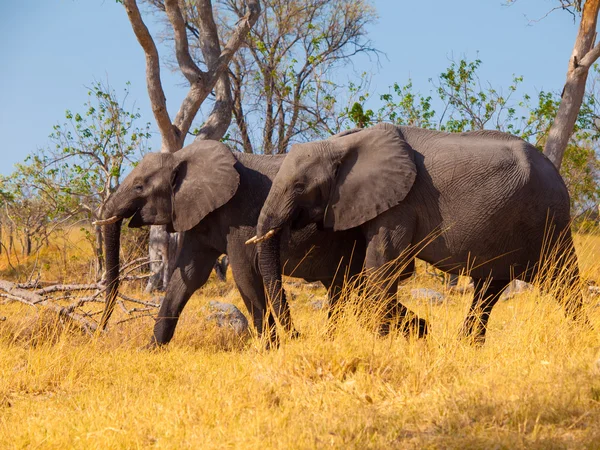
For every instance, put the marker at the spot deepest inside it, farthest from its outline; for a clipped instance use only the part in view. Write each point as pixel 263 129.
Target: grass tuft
pixel 534 384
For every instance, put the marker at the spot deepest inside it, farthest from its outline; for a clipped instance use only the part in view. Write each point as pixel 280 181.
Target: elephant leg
pixel 192 269
pixel 487 293
pixel 396 314
pixel 334 293
pixel 388 262
pixel 270 267
pixel 567 283
pixel 251 289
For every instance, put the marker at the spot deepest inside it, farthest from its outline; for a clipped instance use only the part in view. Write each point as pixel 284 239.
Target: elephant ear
pixel 376 172
pixel 203 179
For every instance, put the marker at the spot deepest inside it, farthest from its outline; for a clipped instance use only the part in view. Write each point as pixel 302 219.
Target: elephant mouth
pixel 300 219
pixel 136 220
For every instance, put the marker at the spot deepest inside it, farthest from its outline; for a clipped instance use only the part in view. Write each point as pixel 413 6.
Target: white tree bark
pixel 201 84
pixel 585 53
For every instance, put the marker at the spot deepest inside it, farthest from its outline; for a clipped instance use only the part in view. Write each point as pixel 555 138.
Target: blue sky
pixel 52 49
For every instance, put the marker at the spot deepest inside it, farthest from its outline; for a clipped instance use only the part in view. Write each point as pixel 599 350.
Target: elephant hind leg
pixel 566 282
pixel 487 293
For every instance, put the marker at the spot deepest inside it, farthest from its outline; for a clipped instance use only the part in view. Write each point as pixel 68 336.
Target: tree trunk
pixel 202 83
pixel 27 246
pixel 158 253
pixel 99 252
pixel 583 56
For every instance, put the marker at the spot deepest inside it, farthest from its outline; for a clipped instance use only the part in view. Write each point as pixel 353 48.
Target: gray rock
pixel 226 315
pixel 463 289
pixel 318 305
pixel 430 295
pixel 515 287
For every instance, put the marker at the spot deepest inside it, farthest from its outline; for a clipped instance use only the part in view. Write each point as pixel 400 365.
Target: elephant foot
pixel 415 326
pixel 153 345
pixel 472 335
pixel 410 326
pixel 476 340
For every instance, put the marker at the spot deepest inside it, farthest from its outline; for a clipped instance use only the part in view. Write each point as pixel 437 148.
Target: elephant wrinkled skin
pixel 214 196
pixel 484 202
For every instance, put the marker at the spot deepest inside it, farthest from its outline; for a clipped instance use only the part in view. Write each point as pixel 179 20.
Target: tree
pixel 281 77
pixel 201 83
pixel 75 176
pixel 469 104
pixel 585 52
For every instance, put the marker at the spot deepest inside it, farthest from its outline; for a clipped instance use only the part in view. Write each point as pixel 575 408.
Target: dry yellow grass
pixel 533 384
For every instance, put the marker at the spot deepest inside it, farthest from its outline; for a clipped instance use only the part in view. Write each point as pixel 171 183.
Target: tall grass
pixel 533 384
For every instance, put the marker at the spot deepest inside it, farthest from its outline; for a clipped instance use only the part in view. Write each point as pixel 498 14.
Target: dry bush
pixel 533 384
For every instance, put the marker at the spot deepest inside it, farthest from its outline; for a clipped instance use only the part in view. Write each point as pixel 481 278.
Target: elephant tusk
pixel 108 221
pixel 256 239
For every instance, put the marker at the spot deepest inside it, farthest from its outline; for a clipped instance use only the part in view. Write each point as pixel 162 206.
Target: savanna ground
pixel 534 384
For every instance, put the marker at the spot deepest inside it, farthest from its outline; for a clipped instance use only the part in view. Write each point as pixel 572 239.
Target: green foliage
pixel 73 177
pixel 89 154
pixel 467 104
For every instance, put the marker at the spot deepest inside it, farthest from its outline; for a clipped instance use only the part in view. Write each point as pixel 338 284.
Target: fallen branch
pixel 67 287
pixel 32 299
pixel 32 294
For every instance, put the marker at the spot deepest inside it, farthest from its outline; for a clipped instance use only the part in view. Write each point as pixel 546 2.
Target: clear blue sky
pixel 52 49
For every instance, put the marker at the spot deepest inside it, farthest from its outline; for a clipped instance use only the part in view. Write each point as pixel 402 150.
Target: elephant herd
pixel 365 202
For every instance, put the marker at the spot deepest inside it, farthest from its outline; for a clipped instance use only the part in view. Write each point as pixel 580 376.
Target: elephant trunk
pixel 112 243
pixel 277 211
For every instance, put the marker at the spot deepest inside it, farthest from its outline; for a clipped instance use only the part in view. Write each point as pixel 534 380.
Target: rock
pixel 226 315
pixel 515 287
pixel 430 295
pixel 461 289
pixel 318 305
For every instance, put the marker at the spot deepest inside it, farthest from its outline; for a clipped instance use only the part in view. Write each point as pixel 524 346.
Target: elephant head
pixel 341 182
pixel 173 189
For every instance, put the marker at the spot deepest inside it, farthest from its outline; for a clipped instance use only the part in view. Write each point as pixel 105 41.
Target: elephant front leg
pixel 390 260
pixel 270 267
pixel 191 273
pixel 487 293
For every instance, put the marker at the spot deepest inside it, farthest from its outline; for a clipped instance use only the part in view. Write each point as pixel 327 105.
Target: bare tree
pixel 281 78
pixel 585 52
pixel 201 83
pixel 75 175
pixel 281 81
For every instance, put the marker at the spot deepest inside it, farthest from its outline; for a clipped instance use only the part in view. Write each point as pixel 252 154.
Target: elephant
pixel 483 202
pixel 213 196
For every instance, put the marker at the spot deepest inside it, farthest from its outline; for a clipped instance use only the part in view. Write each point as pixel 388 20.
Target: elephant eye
pixel 299 187
pixel 138 188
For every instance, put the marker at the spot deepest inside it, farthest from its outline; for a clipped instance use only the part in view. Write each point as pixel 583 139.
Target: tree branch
pixel 155 90
pixel 189 69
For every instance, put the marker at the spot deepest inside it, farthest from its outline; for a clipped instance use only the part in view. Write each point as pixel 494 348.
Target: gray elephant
pixel 482 202
pixel 214 196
